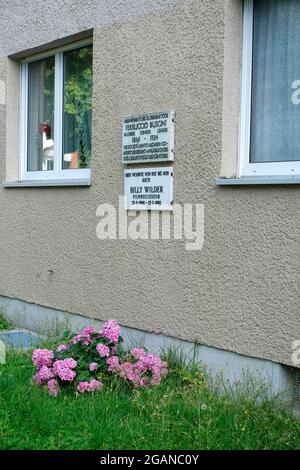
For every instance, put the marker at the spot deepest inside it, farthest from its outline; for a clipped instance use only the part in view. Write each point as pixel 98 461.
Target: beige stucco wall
pixel 241 291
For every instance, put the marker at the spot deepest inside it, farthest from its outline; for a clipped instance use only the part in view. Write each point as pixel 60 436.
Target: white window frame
pixel 58 173
pixel 245 168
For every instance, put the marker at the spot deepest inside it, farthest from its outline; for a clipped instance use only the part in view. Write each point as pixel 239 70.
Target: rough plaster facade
pixel 241 291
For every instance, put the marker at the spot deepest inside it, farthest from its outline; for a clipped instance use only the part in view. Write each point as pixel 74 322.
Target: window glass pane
pixel 275 116
pixel 77 121
pixel 41 115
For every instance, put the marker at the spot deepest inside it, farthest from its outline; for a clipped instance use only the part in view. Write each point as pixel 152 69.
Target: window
pixel 270 114
pixel 56 114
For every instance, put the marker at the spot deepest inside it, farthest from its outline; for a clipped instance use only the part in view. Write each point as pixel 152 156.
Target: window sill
pixel 48 183
pixel 257 180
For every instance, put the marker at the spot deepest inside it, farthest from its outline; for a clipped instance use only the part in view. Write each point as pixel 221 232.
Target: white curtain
pixel 275 118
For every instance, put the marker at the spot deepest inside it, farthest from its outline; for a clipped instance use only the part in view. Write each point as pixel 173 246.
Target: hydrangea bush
pixel 84 358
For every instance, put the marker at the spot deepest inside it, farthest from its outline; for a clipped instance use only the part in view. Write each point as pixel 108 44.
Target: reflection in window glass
pixel 41 115
pixel 77 118
pixel 275 116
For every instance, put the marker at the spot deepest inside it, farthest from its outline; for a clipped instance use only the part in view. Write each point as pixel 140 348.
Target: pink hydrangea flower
pixel 76 338
pixel 95 385
pixel 113 364
pixel 129 372
pixel 83 387
pixel 62 347
pixel 93 366
pixel 44 374
pixel 103 350
pixel 56 365
pixel 111 330
pixel 42 357
pixel 37 379
pixel 92 386
pixel 126 369
pixel 63 369
pixel 148 368
pixel 84 336
pixel 140 366
pixel 70 363
pixel 53 387
pixel 66 374
pixel 85 339
pixel 88 330
pixel 138 353
pixel 151 360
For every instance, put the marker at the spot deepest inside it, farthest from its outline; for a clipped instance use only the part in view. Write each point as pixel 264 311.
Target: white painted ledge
pixel 50 183
pixel 257 180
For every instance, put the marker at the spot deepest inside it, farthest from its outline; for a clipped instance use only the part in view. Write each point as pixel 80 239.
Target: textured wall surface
pixel 30 23
pixel 241 291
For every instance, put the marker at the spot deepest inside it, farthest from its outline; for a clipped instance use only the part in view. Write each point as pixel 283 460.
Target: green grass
pixel 182 413
pixel 4 324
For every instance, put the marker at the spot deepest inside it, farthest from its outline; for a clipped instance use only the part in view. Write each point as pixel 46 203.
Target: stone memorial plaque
pixel 148 138
pixel 149 188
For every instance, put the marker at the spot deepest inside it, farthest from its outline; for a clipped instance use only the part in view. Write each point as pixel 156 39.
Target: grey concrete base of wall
pixel 226 368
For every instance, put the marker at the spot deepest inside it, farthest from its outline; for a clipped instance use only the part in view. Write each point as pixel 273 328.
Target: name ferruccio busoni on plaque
pixel 148 137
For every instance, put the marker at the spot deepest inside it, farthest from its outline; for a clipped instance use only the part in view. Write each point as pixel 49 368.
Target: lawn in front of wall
pixel 182 413
pixel 4 324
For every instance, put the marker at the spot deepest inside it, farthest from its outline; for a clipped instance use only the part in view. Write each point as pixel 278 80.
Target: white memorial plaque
pixel 148 138
pixel 149 188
